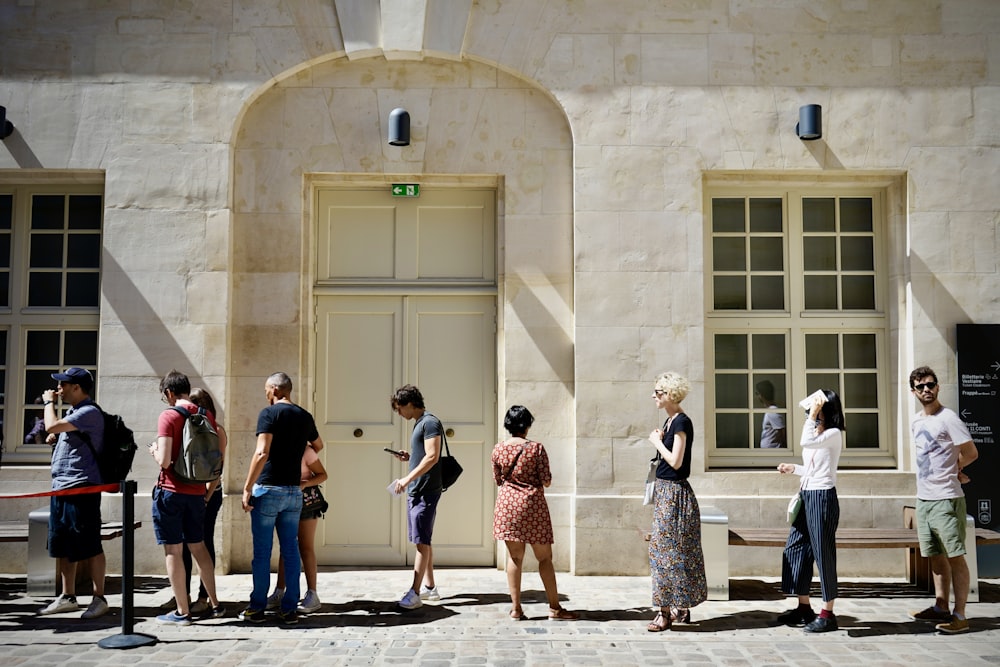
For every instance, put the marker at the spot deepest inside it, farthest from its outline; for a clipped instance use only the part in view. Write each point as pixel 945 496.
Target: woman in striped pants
pixel 812 537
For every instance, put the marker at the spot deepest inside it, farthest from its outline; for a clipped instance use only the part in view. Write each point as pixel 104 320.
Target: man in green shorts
pixel 944 447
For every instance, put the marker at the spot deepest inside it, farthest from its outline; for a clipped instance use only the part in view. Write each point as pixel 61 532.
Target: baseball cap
pixel 76 375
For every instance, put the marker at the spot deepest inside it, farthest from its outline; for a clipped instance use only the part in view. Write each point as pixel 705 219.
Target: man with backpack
pixel 75 520
pixel 179 502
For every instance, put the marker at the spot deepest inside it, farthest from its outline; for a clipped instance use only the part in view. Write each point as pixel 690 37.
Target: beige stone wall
pixel 601 125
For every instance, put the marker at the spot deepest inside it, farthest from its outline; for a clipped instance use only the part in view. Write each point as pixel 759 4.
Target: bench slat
pixel 16 531
pixel 848 538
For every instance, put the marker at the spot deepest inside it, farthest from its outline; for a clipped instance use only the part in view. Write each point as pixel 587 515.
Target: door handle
pixel 358 433
pixel 450 432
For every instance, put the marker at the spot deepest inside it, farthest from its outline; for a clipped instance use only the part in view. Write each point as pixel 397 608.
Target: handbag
pixel 794 505
pixel 451 469
pixel 313 500
pixel 654 463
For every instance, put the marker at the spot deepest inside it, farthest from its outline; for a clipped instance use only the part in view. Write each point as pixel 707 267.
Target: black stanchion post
pixel 127 638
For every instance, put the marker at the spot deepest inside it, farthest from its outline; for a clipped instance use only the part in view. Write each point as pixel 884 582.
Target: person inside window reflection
pixel 37 434
pixel 772 428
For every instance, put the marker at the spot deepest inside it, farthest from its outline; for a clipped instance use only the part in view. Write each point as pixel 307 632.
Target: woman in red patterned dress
pixel 521 516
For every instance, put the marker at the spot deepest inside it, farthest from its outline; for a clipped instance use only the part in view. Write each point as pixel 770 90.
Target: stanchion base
pixel 127 641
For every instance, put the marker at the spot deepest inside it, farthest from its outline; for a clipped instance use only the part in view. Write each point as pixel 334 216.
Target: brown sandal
pixel 560 614
pixel 678 615
pixel 659 623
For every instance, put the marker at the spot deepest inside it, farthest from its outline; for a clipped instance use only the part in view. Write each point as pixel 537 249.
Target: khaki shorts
pixel 941 527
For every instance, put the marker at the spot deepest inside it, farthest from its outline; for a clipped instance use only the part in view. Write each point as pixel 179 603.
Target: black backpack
pixel 117 451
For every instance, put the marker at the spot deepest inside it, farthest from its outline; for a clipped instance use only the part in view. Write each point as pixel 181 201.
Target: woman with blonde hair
pixel 676 561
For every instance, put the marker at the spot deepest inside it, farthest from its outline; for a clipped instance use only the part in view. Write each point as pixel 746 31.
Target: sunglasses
pixel 925 385
pixel 658 393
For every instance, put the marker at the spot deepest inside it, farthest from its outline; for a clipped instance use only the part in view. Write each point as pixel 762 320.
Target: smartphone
pixel 392 451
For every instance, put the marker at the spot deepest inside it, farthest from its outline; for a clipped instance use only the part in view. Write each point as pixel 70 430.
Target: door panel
pixel 377 328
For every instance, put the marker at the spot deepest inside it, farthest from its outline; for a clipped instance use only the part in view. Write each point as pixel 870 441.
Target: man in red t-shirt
pixel 179 506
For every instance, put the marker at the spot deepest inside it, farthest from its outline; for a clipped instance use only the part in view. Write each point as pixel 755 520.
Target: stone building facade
pixel 654 210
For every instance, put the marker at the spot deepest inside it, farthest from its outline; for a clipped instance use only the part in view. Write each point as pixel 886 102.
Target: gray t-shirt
pixel 772 430
pixel 427 427
pixel 73 464
pixel 937 438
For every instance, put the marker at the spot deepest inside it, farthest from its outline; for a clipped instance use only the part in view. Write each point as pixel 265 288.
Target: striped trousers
pixel 812 538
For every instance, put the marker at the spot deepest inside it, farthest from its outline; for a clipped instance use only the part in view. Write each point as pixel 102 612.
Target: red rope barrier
pixel 76 491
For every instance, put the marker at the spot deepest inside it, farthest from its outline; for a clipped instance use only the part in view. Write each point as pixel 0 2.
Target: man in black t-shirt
pixel 273 496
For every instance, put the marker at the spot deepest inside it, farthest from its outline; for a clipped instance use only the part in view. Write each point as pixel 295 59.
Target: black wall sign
pixel 979 408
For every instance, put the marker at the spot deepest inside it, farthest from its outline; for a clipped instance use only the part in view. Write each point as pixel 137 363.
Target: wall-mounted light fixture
pixel 6 127
pixel 810 125
pixel 399 127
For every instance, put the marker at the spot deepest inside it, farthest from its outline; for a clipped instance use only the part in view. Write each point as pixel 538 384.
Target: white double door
pixel 378 333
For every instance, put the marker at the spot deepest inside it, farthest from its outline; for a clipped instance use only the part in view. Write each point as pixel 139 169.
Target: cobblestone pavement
pixel 359 624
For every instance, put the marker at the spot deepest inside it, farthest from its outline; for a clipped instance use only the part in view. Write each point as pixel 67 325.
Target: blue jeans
pixel 277 508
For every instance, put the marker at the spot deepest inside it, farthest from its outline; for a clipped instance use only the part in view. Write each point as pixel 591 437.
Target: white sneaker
pixel 98 607
pixel 310 603
pixel 411 600
pixel 274 600
pixel 429 594
pixel 59 605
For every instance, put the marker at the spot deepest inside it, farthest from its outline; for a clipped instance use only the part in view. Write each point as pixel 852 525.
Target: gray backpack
pixel 200 458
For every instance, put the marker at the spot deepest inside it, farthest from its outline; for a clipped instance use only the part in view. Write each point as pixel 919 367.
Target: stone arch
pixel 329 117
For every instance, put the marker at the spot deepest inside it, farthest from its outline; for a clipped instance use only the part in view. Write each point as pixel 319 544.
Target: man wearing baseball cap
pixel 75 520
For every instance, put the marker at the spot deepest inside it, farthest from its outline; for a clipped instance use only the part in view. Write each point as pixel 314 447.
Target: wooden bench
pixel 42 571
pixel 917 567
pixel 17 531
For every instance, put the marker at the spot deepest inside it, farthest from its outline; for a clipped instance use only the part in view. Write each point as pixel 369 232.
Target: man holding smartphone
pixel 423 487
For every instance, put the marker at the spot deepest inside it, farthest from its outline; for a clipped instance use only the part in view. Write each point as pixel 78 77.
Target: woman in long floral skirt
pixel 676 561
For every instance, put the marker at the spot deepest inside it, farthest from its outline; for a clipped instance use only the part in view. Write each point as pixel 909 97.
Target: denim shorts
pixel 75 527
pixel 178 518
pixel 422 512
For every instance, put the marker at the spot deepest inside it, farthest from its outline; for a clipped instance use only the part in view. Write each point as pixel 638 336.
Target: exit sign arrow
pixel 405 190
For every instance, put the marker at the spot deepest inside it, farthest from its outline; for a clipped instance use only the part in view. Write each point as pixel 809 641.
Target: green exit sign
pixel 405 190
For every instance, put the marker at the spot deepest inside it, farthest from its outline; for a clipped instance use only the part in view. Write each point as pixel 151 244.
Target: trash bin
pixel 715 546
pixel 42 569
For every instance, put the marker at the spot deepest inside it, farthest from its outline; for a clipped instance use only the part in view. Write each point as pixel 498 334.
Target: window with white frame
pixel 795 303
pixel 50 292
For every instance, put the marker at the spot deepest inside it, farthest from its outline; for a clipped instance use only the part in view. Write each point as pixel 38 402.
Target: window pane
pixel 3 350
pixel 861 430
pixel 856 214
pixel 81 348
pixel 85 211
pixel 731 351
pixel 768 351
pixel 766 253
pixel 728 215
pixel 42 348
pixel 857 253
pixel 732 431
pixel 819 253
pixel 819 215
pixel 829 381
pixel 28 424
pixel 44 289
pixel 4 250
pixel 767 292
pixel 859 292
pixel 769 389
pixel 46 251
pixel 83 290
pixel 730 292
pixel 731 391
pixel 47 211
pixel 860 390
pixel 777 430
pixel 859 351
pixel 820 292
pixel 84 251
pixel 6 211
pixel 765 215
pixel 729 254
pixel 822 351
pixel 4 289
pixel 37 381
